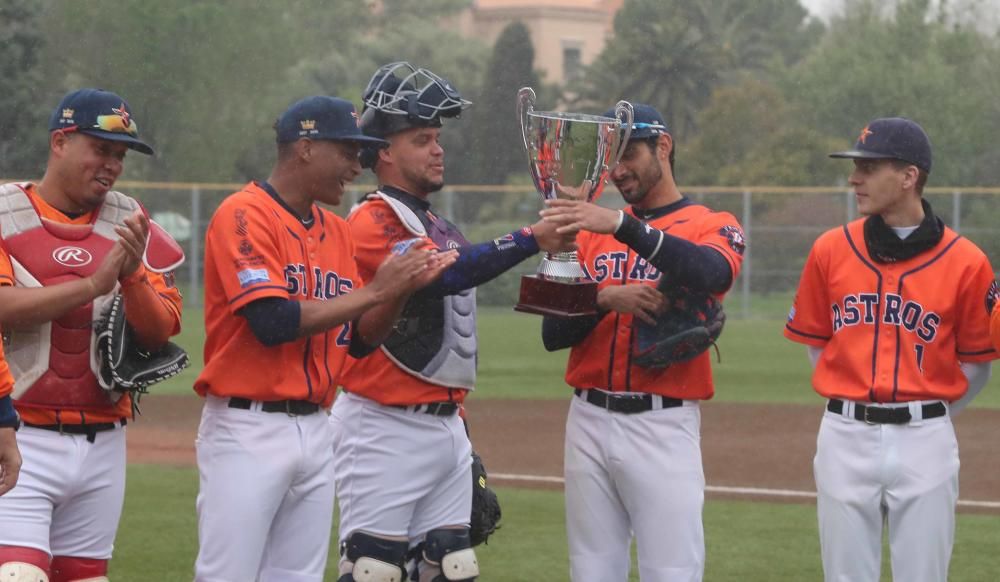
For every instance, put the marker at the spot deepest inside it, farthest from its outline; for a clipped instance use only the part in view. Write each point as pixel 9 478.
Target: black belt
pixel 626 403
pixel 289 407
pixel 90 429
pixel 885 414
pixel 435 408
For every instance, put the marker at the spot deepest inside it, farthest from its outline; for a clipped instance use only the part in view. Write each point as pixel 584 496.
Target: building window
pixel 572 63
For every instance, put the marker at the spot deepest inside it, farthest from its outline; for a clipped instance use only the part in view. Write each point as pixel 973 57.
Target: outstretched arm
pixel 480 263
pixel 684 262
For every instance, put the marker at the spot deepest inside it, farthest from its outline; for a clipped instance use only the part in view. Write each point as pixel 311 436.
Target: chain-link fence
pixel 780 225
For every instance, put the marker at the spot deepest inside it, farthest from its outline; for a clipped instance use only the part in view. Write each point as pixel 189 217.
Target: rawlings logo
pixel 72 256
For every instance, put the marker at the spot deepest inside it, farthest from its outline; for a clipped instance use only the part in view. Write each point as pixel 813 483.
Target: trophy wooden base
pixel 557 298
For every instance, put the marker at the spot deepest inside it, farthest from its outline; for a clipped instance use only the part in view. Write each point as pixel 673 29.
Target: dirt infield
pixel 744 445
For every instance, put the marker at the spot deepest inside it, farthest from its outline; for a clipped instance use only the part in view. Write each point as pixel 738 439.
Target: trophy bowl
pixel 570 155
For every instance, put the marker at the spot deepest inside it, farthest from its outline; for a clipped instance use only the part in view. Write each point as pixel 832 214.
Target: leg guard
pixel 70 569
pixel 451 550
pixel 375 559
pixel 19 564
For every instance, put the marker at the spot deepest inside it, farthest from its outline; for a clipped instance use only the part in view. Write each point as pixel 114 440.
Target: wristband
pixel 8 415
pixel 621 220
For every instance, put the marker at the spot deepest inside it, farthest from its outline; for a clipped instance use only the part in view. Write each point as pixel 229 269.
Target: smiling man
pixel 403 458
pixel 632 455
pixel 284 306
pixel 69 243
pixel 891 309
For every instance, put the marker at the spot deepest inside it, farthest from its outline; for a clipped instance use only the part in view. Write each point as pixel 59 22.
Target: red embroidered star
pixel 123 113
pixel 864 134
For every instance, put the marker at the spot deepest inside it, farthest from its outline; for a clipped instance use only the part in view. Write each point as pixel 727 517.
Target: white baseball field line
pixel 730 490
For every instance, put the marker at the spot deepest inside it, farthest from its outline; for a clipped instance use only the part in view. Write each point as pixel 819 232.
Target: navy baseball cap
pixel 101 114
pixel 895 138
pixel 646 122
pixel 322 117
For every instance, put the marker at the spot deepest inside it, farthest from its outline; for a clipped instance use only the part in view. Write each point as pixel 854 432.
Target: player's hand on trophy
pixel 642 301
pixel 133 237
pixel 576 215
pixel 10 460
pixel 550 240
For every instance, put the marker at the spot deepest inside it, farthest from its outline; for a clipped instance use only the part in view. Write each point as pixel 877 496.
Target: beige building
pixel 566 34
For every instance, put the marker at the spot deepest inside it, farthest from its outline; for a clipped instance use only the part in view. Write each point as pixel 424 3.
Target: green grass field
pixel 746 541
pixel 757 363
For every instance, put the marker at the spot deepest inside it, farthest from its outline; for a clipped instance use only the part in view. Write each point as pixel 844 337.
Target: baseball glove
pixel 691 324
pixel 125 367
pixel 485 505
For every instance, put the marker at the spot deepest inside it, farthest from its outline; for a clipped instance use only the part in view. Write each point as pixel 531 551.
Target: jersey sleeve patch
pixel 734 236
pixel 992 294
pixel 248 277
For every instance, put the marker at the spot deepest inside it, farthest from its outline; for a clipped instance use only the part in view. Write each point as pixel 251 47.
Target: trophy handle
pixel 623 108
pixel 525 105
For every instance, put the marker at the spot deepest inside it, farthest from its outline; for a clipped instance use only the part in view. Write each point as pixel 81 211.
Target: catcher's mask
pixel 399 97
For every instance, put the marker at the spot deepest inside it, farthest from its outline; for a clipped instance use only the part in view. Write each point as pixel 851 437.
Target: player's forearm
pixel 376 323
pixel 28 306
pixel 560 333
pixel 480 263
pixel 684 262
pixel 152 316
pixel 320 316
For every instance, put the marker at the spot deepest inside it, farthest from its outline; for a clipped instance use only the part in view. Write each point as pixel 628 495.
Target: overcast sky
pixel 987 16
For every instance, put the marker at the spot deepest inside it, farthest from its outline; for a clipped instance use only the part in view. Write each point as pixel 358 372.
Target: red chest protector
pixel 54 364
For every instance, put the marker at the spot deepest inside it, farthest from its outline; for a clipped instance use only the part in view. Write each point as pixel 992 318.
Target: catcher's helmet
pixel 400 96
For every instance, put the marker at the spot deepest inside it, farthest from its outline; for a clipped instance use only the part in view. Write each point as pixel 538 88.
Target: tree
pixel 22 120
pixel 914 63
pixel 673 53
pixel 206 80
pixel 749 136
pixel 499 149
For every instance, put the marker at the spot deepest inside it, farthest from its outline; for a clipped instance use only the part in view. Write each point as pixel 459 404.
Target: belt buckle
pixel 867 419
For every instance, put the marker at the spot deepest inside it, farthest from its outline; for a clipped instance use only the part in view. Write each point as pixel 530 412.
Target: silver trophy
pixel 570 156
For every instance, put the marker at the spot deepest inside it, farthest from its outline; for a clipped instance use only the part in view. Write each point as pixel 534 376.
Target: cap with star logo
pixel 101 114
pixel 895 138
pixel 322 117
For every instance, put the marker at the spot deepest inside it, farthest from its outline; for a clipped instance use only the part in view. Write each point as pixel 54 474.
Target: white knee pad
pixel 372 570
pixel 460 565
pixel 22 572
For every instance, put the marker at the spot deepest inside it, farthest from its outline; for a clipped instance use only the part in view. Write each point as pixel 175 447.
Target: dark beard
pixel 428 187
pixel 644 183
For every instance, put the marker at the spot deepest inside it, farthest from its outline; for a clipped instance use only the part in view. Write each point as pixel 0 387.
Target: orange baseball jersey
pixel 256 247
pixel 892 332
pixel 604 358
pixel 376 229
pixel 123 408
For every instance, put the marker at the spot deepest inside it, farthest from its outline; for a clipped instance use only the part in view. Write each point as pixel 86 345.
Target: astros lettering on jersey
pixel 258 248
pixel 890 332
pixel 604 358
